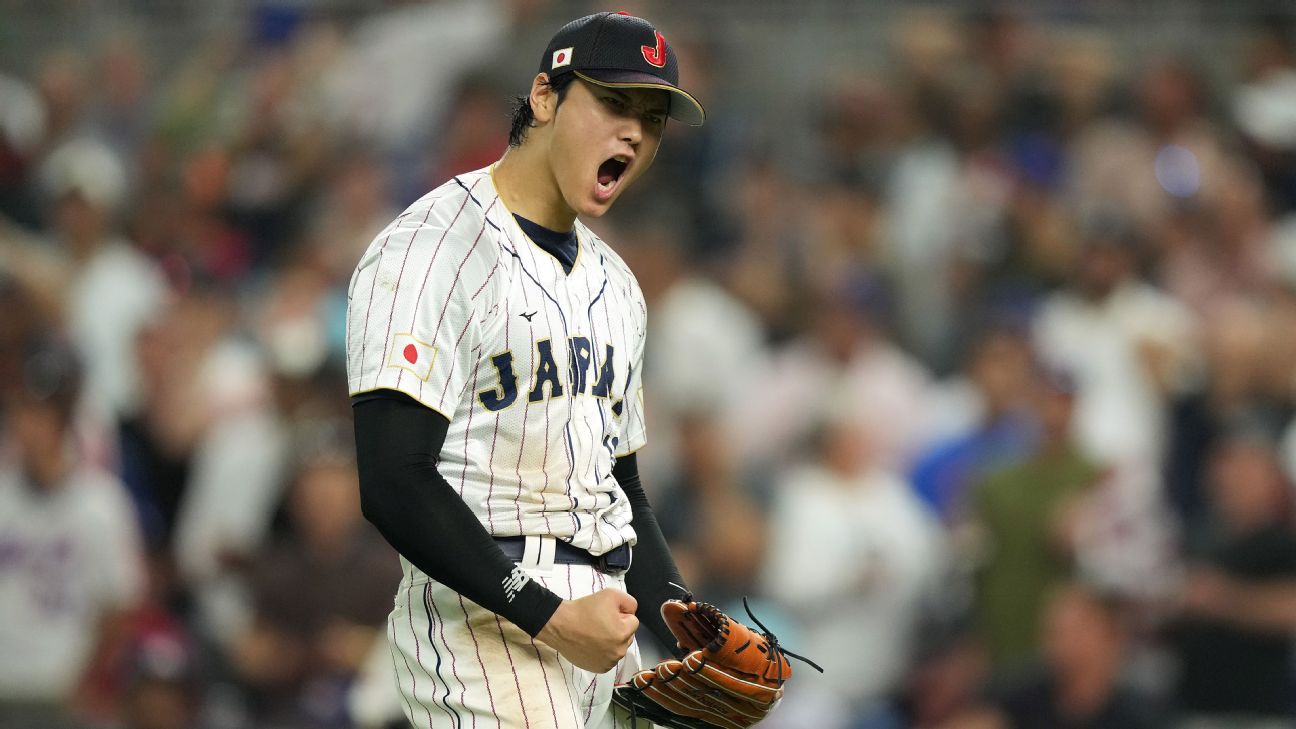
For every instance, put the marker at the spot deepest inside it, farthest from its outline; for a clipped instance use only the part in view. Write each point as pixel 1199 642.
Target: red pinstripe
pixel 526 410
pixel 463 476
pixel 391 637
pixel 513 667
pixel 544 462
pixel 458 340
pixel 423 286
pixel 571 703
pixel 453 668
pixel 553 708
pixel 490 695
pixel 401 274
pixel 596 584
pixel 418 656
pixel 364 336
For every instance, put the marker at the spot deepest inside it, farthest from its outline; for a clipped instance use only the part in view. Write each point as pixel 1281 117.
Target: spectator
pixel 1080 684
pixel 320 597
pixel 209 408
pixel 694 321
pixel 1234 641
pixel 22 129
pixel 1002 434
pixel 163 687
pixel 1024 513
pixel 114 290
pixel 1232 388
pixel 71 569
pixel 852 556
pixel 845 361
pixel 1126 343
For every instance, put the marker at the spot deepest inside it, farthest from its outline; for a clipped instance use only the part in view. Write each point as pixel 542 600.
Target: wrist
pixel 537 607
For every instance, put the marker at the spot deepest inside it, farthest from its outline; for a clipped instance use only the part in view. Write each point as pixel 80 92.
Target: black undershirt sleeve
pixel 653 569
pixel 398 443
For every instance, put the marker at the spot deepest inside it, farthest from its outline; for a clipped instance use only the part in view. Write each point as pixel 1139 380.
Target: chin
pixel 590 207
pixel 596 210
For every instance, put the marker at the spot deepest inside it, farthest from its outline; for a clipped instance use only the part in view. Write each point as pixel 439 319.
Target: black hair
pixel 524 116
pixel 51 376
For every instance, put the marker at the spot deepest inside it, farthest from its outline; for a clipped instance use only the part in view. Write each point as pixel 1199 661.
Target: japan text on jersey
pixel 537 369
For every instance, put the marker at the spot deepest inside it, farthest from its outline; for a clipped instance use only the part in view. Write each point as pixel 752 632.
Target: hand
pixel 343 645
pixel 593 632
pixel 1207 593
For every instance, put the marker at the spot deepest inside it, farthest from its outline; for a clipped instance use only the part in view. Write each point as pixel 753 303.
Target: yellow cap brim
pixel 690 112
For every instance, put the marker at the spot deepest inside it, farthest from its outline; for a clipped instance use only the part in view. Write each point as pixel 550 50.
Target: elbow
pixel 375 505
pixel 379 519
pixel 370 510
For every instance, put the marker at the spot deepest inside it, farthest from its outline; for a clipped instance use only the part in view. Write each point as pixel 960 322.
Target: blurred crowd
pixel 979 380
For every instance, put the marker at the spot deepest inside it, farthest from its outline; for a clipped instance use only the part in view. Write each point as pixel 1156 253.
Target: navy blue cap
pixel 619 50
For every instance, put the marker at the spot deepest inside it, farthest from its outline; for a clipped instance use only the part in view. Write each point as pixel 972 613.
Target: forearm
pixel 94 692
pixel 1269 608
pixel 653 577
pixel 404 495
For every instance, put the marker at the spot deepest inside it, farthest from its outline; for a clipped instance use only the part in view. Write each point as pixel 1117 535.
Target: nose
pixel 631 131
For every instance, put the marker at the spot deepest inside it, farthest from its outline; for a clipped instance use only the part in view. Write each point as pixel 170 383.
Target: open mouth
pixel 609 173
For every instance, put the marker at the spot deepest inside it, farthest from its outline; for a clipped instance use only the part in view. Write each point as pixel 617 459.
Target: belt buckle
pixel 617 560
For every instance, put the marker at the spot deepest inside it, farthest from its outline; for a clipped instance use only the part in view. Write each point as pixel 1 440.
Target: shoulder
pixel 119 261
pixel 459 201
pixel 10 490
pixel 446 226
pixel 602 254
pixel 100 497
pixel 605 254
pixel 1158 307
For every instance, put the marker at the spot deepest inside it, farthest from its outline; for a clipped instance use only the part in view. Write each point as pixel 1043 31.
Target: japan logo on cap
pixel 561 57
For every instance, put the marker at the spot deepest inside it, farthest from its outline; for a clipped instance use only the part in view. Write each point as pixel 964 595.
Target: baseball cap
pixel 619 50
pixel 51 375
pixel 87 167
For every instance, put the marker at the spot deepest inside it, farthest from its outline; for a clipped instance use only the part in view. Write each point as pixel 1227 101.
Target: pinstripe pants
pixel 460 665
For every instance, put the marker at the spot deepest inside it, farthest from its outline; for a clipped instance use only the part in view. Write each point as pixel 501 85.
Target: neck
pixel 1084 692
pixel 526 184
pixel 328 543
pixel 47 470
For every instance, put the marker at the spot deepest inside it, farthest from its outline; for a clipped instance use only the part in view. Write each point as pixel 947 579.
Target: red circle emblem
pixel 411 353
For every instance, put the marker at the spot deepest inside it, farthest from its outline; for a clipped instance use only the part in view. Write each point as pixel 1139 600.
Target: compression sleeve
pixel 653 569
pixel 398 443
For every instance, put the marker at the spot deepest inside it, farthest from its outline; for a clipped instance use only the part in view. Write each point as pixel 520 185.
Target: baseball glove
pixel 729 677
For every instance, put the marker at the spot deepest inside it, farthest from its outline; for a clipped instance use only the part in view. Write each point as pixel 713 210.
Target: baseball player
pixel 495 353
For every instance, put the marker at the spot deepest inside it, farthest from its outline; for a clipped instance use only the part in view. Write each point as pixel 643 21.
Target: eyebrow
pixel 663 110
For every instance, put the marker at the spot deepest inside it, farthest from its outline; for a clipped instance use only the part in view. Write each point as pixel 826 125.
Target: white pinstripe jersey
pixel 537 370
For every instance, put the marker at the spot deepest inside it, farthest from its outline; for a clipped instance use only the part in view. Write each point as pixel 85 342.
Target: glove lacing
pixel 720 623
pixel 776 651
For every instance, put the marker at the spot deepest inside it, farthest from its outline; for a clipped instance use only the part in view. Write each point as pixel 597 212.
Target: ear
pixel 544 100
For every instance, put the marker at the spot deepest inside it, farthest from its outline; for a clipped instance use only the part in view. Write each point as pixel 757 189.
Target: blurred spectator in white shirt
pixel 114 289
pixel 71 568
pixel 707 346
pixel 209 404
pixel 852 555
pixel 1126 343
pixel 845 363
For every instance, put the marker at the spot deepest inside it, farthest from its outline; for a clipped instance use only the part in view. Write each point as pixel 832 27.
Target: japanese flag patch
pixel 408 353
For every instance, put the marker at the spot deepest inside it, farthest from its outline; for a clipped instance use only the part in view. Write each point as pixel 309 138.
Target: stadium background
pixel 986 314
